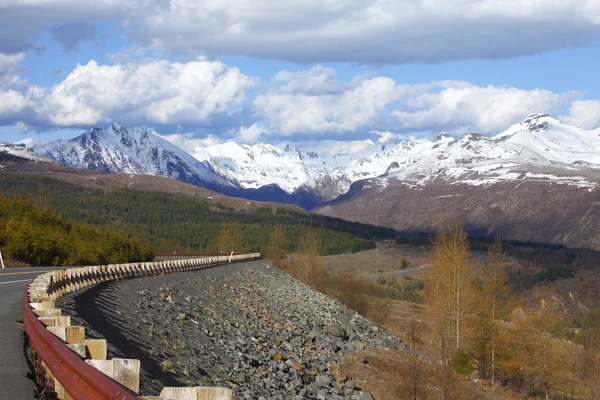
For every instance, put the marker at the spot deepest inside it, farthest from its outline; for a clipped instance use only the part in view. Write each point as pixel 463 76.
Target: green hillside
pixel 172 223
pixel 40 237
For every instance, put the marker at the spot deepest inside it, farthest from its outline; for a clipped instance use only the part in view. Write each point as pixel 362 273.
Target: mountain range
pixel 539 155
pixel 539 148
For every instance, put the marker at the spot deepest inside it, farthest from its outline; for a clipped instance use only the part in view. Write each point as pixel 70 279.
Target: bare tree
pixel 231 238
pixel 493 303
pixel 448 289
pixel 308 261
pixel 276 245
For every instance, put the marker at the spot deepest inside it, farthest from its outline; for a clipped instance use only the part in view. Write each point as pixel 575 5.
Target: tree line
pixel 172 223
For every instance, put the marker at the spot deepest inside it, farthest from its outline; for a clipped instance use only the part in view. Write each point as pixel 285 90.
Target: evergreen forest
pixel 170 223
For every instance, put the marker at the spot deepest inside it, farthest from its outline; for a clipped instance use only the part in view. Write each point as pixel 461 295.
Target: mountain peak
pixel 538 122
pixel 117 149
pixel 444 137
pixel 538 115
pixel 291 148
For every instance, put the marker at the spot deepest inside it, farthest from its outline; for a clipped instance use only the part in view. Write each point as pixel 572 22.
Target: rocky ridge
pixel 540 147
pixel 247 326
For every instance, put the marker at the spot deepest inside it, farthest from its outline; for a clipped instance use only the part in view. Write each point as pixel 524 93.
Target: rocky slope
pixel 247 326
pixel 534 146
pixel 540 147
pixel 20 152
pixel 529 210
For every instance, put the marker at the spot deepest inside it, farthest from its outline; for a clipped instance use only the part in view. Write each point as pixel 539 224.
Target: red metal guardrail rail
pixel 80 380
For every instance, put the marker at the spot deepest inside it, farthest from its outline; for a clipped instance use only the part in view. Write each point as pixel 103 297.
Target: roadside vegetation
pixel 473 328
pixel 171 223
pixel 31 235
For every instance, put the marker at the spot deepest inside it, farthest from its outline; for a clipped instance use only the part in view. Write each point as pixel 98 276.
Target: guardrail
pixel 160 255
pixel 78 366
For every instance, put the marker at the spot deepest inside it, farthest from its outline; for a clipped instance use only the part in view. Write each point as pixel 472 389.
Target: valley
pixel 537 180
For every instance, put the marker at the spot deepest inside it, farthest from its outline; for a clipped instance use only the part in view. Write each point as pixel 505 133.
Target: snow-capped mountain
pixel 262 164
pixel 21 150
pixel 117 149
pixel 540 147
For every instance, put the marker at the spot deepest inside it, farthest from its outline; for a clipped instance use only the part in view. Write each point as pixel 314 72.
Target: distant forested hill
pixel 176 223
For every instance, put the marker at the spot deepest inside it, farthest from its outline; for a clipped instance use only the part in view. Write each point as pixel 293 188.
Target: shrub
pixel 462 362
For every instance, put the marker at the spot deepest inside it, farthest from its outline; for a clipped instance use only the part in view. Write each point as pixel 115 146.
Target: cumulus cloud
pixel 157 92
pixel 208 98
pixel 189 143
pixel 584 114
pixel 462 107
pixel 297 105
pixel 250 134
pixel 9 63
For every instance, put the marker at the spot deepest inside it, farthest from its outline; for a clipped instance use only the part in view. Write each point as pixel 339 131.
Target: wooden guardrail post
pixel 124 371
pixel 96 349
pixel 43 322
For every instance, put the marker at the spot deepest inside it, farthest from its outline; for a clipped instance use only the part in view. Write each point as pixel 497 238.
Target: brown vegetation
pixel 474 338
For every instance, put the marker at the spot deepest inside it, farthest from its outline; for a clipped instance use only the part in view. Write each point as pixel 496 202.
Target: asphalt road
pixel 15 383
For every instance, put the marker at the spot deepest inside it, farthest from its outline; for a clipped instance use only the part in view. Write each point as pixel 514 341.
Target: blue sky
pixel 202 73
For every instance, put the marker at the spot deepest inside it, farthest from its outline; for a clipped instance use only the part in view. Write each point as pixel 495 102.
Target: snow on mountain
pixel 117 149
pixel 263 164
pixel 539 148
pixel 554 140
pixel 22 151
pixel 526 150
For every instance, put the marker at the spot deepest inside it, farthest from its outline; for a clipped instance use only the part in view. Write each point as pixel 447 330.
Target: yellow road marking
pixel 26 273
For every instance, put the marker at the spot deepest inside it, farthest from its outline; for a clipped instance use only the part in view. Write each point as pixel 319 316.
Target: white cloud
pixel 462 107
pixel 153 92
pixel 372 31
pixel 157 92
pixel 296 105
pixel 12 103
pixel 9 63
pixel 387 136
pixel 22 126
pixel 584 114
pixel 199 96
pixel 189 143
pixel 249 134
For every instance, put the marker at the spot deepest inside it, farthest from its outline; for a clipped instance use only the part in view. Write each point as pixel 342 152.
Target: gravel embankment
pixel 247 326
